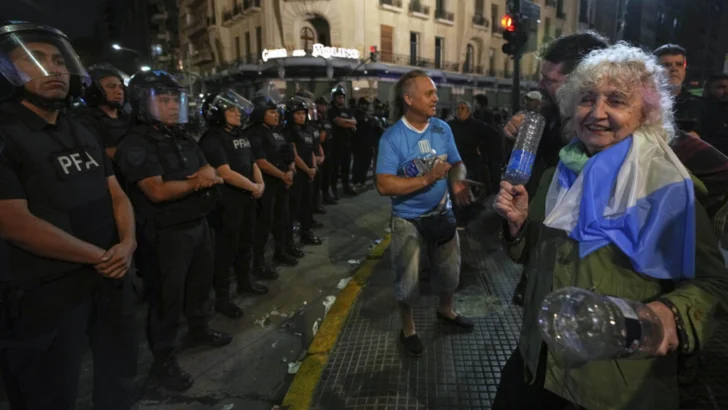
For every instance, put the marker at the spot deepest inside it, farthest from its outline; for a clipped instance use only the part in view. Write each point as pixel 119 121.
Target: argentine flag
pixel 636 195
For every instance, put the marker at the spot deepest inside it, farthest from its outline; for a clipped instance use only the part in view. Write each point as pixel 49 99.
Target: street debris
pixel 354 262
pixel 283 360
pixel 342 283
pixel 227 407
pixel 274 344
pixel 388 230
pixel 298 334
pixel 374 245
pixel 315 328
pixel 328 302
pixel 293 367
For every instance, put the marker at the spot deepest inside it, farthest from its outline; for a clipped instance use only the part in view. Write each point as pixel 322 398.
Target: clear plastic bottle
pixel 519 168
pixel 582 326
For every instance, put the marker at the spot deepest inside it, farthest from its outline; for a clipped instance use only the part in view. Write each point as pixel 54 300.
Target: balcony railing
pixel 444 15
pixel 472 69
pixel 480 20
pixel 251 5
pixel 391 3
pixel 196 26
pixel 416 7
pixel 416 61
pixel 201 57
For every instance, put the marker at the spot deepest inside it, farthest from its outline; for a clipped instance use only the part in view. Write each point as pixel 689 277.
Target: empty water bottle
pixel 582 326
pixel 519 168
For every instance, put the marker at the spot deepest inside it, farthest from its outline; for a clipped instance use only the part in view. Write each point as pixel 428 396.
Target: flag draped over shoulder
pixel 636 195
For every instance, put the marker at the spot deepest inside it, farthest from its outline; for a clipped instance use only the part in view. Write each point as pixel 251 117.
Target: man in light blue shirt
pixel 416 154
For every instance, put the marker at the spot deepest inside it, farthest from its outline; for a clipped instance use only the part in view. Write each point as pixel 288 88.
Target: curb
pixel 301 391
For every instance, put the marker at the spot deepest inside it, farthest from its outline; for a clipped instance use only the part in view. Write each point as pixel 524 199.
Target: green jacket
pixel 552 262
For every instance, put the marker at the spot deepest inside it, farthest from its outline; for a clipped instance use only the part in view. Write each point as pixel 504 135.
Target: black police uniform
pixel 274 204
pixel 180 282
pixel 341 148
pixel 234 218
pixel 110 130
pixel 300 192
pixel 327 167
pixel 51 306
pixel 316 205
pixel 367 134
pixel 688 109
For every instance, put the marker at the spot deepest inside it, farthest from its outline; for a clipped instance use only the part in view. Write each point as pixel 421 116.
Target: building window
pixel 491 62
pixel 494 23
pixel 387 43
pixel 248 50
pixel 308 38
pixel 547 29
pixel 414 47
pixel 480 7
pixel 259 39
pixel 237 47
pixel 469 59
pixel 439 51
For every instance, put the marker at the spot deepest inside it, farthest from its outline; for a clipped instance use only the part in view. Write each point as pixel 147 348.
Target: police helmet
pixel 309 97
pixel 338 90
pixel 322 101
pixel 95 95
pixel 156 97
pixel 362 103
pixel 39 64
pixel 295 104
pixel 261 104
pixel 214 107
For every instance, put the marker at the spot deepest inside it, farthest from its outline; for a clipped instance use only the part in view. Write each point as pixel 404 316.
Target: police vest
pixel 63 172
pixel 178 160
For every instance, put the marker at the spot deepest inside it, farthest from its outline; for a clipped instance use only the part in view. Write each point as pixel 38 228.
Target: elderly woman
pixel 618 216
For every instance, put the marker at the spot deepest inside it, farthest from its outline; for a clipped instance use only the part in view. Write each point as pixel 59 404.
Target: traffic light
pixel 510 34
pixel 515 33
pixel 373 54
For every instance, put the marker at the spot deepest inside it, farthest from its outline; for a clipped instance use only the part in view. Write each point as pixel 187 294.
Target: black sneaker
pixel 208 337
pixel 264 272
pixel 296 252
pixel 228 308
pixel 411 344
pixel 309 238
pixel 171 376
pixel 285 259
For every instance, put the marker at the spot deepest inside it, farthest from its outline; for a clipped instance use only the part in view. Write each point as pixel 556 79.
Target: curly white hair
pixel 630 69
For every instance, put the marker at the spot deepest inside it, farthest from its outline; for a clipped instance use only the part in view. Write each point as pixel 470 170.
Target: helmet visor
pixel 230 99
pixel 30 55
pixel 312 112
pixel 170 106
pixel 272 92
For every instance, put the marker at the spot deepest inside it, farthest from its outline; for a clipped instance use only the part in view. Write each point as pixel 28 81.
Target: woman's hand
pixel 512 204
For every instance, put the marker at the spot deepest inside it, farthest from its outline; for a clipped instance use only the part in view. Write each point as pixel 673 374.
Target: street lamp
pixel 116 46
pixel 145 68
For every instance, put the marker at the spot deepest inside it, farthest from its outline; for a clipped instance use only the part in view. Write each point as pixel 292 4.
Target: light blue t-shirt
pixel 401 144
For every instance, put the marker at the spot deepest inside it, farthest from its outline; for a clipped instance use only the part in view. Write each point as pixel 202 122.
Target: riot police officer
pixel 230 153
pixel 344 126
pixel 300 136
pixel 275 158
pixel 69 232
pixel 313 126
pixel 173 189
pixel 367 134
pixel 104 111
pixel 326 137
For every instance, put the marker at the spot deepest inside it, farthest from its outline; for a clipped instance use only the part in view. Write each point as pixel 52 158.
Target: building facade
pixel 314 44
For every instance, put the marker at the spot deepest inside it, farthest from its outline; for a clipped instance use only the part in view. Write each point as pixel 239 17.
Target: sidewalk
pixel 252 373
pixel 366 368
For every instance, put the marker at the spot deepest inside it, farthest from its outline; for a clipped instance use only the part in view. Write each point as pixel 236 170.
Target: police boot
pixel 319 210
pixel 348 190
pixel 170 375
pixel 228 308
pixel 264 272
pixel 328 199
pixel 285 259
pixel 316 224
pixel 335 194
pixel 308 238
pixel 207 337
pixel 295 252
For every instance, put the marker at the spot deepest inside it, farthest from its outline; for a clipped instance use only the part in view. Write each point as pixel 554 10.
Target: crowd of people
pixel 89 191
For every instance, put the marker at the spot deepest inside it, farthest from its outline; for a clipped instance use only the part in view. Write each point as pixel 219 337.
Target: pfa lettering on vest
pixel 278 137
pixel 308 140
pixel 241 143
pixel 76 163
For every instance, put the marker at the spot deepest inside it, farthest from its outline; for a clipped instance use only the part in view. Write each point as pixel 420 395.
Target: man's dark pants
pixel 272 217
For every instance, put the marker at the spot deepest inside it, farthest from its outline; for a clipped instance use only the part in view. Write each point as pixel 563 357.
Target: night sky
pixel 62 14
